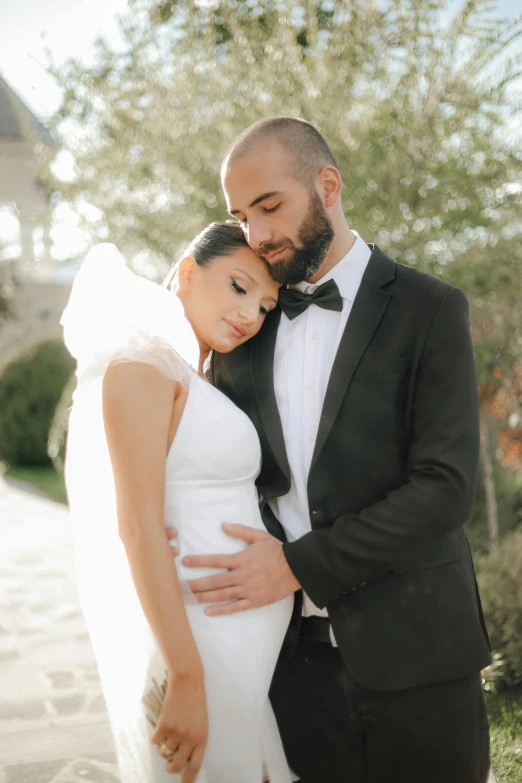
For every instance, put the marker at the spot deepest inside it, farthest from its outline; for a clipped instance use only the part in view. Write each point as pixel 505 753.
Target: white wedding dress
pixel 114 315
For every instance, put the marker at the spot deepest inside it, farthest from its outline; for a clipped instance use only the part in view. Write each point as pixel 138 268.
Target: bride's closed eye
pixel 239 290
pixel 237 287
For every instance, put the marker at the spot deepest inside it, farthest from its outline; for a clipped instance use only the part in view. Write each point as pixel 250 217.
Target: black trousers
pixel 336 731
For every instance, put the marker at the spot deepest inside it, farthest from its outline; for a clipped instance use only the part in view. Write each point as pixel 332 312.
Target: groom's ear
pixel 330 185
pixel 186 269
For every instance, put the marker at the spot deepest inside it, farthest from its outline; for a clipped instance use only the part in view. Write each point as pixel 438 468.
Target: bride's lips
pixel 237 330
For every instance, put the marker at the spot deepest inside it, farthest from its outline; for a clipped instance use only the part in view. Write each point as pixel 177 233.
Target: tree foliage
pixel 413 101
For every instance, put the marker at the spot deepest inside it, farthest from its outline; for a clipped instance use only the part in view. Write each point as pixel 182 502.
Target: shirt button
pixel 309 386
pixel 311 440
pixel 314 337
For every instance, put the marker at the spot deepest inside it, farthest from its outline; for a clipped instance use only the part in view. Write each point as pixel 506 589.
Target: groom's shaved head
pixel 280 180
pixel 307 151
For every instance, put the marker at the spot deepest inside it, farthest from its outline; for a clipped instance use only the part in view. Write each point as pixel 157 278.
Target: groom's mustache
pixel 268 249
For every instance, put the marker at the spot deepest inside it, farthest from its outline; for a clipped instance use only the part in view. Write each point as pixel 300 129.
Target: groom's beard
pixel 315 237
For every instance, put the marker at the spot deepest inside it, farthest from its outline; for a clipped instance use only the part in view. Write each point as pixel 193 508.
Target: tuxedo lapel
pixel 367 310
pixel 262 368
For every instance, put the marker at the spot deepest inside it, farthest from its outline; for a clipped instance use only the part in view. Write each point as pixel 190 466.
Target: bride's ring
pixel 166 752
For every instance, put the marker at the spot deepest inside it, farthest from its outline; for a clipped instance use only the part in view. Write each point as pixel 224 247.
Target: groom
pixel 362 389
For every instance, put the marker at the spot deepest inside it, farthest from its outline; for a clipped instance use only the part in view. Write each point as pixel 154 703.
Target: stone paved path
pixel 53 724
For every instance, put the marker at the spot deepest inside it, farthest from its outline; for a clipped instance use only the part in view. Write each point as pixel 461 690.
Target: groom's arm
pixel 442 469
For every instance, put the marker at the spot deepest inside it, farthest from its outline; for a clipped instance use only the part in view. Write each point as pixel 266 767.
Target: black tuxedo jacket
pixel 391 483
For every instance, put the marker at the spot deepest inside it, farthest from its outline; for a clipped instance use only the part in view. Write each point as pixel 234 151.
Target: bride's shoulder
pixel 137 383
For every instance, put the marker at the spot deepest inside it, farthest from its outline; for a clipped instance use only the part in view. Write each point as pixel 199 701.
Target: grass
pixel 505 722
pixel 45 479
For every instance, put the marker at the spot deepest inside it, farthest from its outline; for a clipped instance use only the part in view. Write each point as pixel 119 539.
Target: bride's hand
pixel 182 727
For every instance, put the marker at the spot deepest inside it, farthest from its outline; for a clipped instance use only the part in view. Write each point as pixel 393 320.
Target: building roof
pixel 18 122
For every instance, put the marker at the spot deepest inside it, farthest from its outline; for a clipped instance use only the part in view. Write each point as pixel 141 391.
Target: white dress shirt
pixel 304 354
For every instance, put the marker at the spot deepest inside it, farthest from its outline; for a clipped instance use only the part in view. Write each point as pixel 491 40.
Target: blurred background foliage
pixel 500 579
pixel 8 287
pixel 420 106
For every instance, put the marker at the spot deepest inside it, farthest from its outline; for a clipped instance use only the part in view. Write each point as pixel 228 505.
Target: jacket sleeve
pixel 442 469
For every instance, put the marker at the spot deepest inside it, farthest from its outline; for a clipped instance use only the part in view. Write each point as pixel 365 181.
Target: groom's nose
pixel 257 233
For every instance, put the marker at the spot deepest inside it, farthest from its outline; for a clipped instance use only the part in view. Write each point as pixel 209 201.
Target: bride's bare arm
pixel 138 404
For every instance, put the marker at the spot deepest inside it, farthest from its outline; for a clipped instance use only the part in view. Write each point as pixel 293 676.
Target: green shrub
pixel 29 392
pixel 500 581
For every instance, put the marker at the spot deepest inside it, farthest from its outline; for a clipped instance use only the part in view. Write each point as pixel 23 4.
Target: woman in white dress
pixel 152 445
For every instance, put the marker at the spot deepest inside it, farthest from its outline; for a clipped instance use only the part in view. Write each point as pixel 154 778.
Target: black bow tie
pixel 294 302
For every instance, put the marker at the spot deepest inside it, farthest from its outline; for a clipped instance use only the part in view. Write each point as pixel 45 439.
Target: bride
pixel 153 446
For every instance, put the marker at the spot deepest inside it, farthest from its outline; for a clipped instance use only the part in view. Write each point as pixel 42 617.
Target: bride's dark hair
pixel 217 239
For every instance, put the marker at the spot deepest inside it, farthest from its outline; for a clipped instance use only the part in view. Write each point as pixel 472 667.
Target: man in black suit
pixel 362 389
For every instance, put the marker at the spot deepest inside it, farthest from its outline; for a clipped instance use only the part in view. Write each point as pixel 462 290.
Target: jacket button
pixel 314 513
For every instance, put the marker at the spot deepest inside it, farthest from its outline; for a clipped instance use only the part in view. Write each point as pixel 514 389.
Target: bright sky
pixel 66 27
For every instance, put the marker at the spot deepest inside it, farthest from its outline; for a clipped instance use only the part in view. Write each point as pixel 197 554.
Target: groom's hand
pixel 172 534
pixel 257 576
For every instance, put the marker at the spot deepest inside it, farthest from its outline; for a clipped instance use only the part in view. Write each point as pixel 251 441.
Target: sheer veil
pixel 114 315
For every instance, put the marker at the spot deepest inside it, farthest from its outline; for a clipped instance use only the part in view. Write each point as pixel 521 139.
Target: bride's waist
pixel 181 493
pixel 204 509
